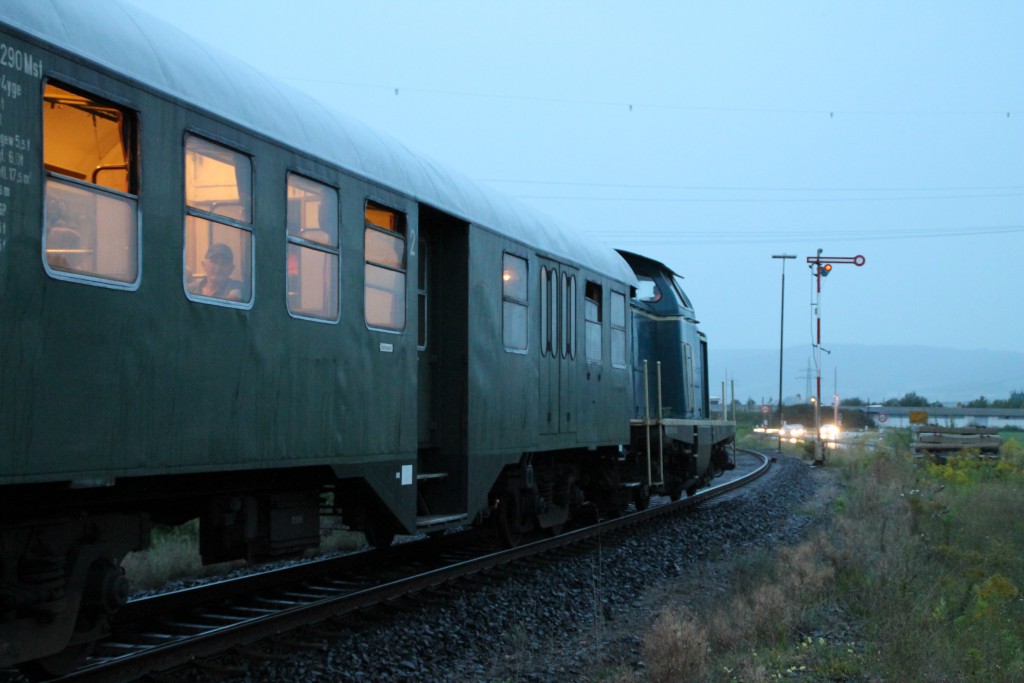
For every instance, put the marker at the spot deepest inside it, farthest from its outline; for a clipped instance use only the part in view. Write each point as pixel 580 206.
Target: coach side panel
pixel 135 372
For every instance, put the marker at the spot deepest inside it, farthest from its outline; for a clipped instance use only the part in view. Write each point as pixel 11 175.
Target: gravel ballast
pixel 565 621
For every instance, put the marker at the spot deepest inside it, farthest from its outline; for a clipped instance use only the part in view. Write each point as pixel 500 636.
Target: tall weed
pixel 923 559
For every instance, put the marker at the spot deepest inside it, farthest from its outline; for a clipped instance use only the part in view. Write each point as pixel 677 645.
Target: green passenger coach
pixel 221 300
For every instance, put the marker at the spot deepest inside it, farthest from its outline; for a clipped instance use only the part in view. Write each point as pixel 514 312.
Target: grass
pixel 174 555
pixel 918 578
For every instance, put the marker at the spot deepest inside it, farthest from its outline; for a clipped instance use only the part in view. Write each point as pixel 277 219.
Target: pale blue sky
pixel 710 136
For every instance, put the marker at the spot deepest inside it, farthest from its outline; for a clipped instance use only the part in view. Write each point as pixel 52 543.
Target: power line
pixel 682 200
pixel 709 237
pixel 750 188
pixel 630 106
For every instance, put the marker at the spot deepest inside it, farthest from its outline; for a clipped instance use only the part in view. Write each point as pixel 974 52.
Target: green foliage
pixel 956 579
pixel 173 553
pixel 897 441
pixel 911 400
pixel 1016 400
pixel 923 559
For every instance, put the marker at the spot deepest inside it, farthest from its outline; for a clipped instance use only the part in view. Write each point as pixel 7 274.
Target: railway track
pixel 267 615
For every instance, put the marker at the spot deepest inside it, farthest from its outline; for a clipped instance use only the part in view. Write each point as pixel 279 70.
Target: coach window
pixel 568 308
pixel 514 302
pixel 593 315
pixel 545 312
pixel 618 320
pixel 91 221
pixel 421 297
pixel 312 272
pixel 384 242
pixel 218 223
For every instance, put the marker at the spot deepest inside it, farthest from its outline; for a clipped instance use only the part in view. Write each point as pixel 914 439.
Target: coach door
pixel 442 340
pixel 558 284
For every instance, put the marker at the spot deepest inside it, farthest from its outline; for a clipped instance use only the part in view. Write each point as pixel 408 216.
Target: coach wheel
pixel 675 491
pixel 642 496
pixel 510 524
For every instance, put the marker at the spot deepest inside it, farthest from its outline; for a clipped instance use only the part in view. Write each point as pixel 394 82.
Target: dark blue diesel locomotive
pixel 670 385
pixel 221 300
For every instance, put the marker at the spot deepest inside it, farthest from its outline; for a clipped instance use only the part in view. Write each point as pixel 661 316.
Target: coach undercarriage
pixel 544 492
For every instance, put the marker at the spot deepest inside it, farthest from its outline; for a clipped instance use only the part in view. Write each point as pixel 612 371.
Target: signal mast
pixel 820 267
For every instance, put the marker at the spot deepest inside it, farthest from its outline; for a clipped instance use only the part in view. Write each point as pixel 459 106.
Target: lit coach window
pixel 218 223
pixel 91 223
pixel 384 243
pixel 514 303
pixel 312 249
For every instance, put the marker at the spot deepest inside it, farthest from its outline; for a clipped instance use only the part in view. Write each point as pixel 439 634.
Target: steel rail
pixel 316 597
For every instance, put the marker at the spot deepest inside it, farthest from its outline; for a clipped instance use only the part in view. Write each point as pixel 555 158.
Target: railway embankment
pixel 908 572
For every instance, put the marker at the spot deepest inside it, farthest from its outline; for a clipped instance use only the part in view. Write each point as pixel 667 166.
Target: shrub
pixel 675 648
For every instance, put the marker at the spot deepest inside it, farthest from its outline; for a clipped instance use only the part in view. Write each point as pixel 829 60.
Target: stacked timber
pixel 940 442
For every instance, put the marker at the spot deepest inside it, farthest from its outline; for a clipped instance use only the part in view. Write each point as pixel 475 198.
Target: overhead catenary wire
pixel 683 236
pixel 628 105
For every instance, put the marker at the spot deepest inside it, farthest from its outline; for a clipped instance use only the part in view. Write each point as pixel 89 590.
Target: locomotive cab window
pixel 677 283
pixel 647 290
pixel 218 223
pixel 91 222
pixel 592 312
pixel 384 243
pixel 514 301
pixel 312 268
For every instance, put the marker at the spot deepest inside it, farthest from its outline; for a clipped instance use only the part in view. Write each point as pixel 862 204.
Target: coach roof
pixel 131 42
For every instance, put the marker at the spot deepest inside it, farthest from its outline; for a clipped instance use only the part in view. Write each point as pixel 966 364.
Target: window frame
pixel 298 241
pixel 567 301
pixel 618 329
pixel 132 114
pixel 546 319
pixel 422 297
pixel 402 234
pixel 599 322
pixel 510 299
pixel 219 219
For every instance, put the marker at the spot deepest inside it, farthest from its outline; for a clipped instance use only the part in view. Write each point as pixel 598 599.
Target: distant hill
pixel 871 373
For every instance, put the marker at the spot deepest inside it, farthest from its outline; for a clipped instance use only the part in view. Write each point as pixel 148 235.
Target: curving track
pixel 266 615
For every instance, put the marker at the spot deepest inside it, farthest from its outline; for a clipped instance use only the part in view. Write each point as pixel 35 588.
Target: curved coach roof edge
pixel 131 42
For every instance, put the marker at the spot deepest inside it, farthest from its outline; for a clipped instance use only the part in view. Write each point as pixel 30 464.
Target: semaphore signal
pixel 820 267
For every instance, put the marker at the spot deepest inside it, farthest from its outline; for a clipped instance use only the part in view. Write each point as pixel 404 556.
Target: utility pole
pixel 820 267
pixel 782 327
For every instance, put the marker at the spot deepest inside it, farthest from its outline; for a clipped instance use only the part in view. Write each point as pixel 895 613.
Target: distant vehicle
pixel 830 434
pixel 793 432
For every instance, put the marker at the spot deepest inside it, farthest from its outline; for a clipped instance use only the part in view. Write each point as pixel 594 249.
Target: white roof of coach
pixel 131 42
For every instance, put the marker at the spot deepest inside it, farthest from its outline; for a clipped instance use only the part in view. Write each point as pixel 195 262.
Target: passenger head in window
pixel 218 264
pixel 63 248
pixel 63 242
